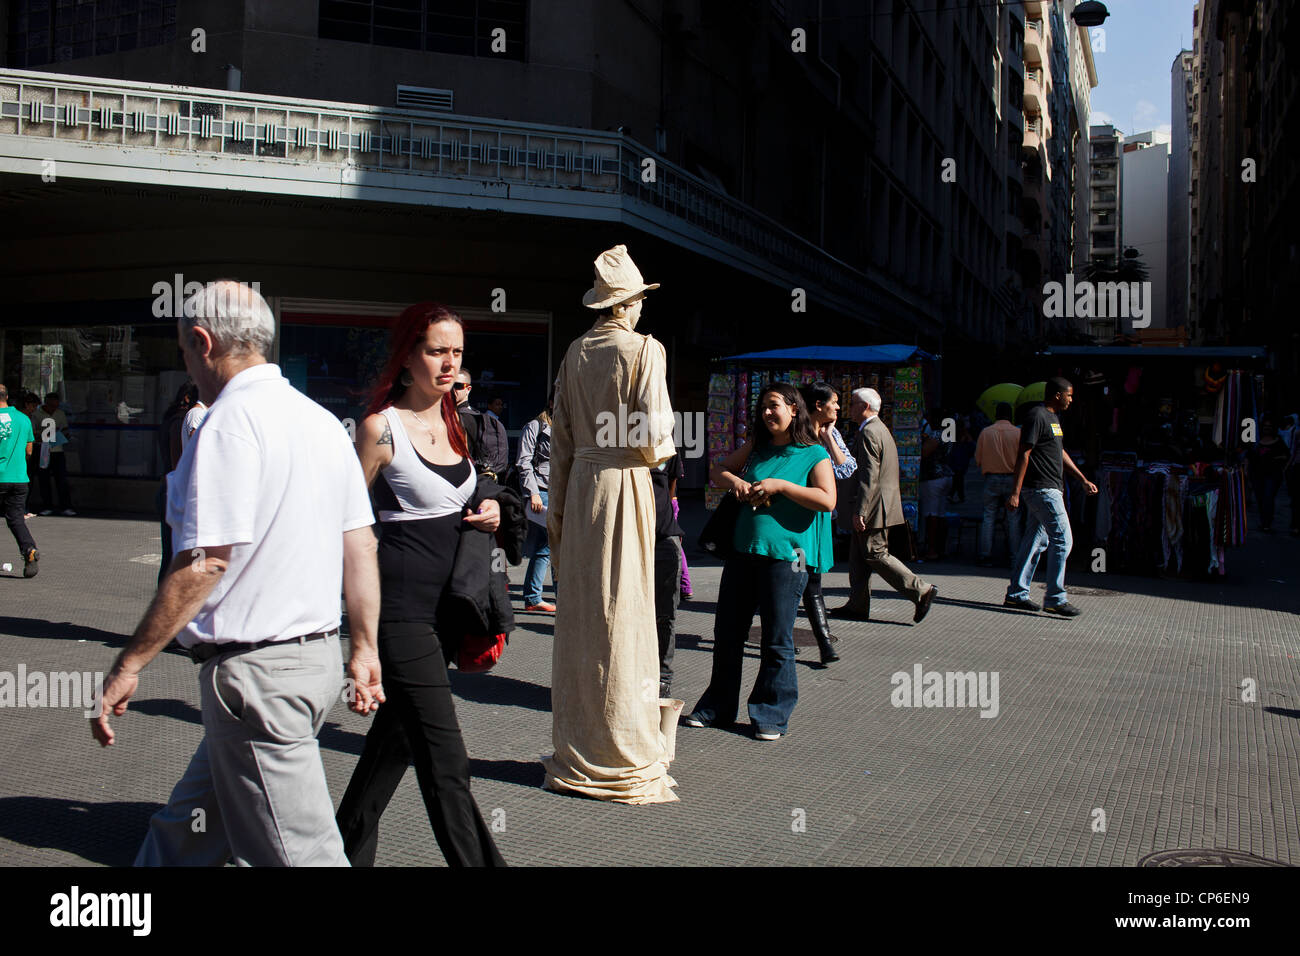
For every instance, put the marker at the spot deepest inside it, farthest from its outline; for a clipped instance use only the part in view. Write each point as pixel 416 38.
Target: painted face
pixel 777 415
pixel 434 362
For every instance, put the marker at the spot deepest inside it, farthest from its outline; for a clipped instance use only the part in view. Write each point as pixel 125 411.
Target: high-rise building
pixel 355 155
pixel 1245 179
pixel 1144 198
pixel 1106 230
pixel 1059 74
pixel 1182 85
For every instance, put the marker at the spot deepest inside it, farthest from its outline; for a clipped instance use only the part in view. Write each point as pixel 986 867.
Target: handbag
pixel 902 542
pixel 719 535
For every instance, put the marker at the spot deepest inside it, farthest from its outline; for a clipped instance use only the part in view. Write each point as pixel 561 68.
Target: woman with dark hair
pixel 784 473
pixel 171 443
pixel 823 404
pixel 416 461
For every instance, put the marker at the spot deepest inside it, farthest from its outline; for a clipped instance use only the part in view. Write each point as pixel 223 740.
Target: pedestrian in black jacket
pixel 432 511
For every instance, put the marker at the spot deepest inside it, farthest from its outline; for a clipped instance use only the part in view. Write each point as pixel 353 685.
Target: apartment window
pixel 460 27
pixel 53 31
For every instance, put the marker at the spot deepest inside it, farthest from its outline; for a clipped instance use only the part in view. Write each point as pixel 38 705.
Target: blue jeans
pixel 772 588
pixel 537 548
pixel 1047 528
pixel 997 488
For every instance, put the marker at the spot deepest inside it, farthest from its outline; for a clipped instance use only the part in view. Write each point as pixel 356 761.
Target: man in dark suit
pixel 876 506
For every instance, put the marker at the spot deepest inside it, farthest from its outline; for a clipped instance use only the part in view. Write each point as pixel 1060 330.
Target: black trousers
pixel 13 500
pixel 59 469
pixel 668 595
pixel 417 722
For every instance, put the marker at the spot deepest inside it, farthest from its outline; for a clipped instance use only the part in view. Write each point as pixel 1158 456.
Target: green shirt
pixel 775 531
pixel 15 433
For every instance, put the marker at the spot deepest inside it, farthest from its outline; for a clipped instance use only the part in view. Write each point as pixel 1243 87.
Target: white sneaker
pixel 69 512
pixel 767 736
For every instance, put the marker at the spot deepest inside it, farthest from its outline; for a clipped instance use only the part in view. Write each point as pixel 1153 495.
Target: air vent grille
pixel 424 98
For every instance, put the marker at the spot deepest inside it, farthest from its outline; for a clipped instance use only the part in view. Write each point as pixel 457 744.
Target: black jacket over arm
pixel 477 598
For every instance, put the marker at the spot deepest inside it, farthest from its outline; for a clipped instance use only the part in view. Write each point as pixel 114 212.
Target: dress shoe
pixel 923 605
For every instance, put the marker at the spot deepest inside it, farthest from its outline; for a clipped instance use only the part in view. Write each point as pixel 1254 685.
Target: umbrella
pixel 1031 393
pixel 988 402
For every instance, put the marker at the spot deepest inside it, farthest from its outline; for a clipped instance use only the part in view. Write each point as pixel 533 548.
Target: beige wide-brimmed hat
pixel 617 280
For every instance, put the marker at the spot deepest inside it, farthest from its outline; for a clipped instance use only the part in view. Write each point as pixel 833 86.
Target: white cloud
pixel 1100 118
pixel 1145 114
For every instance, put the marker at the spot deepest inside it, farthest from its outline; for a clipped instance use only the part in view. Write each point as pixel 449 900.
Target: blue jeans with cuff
pixel 1047 528
pixel 537 548
pixel 773 588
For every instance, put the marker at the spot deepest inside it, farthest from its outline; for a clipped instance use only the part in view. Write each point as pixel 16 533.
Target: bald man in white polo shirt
pixel 270 515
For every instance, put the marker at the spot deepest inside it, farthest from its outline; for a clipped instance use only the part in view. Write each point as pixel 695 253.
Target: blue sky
pixel 1141 40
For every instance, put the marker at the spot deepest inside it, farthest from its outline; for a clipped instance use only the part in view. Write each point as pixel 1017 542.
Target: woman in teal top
pixel 784 473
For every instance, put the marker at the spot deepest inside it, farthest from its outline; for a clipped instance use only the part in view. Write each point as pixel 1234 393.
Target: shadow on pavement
pixel 167 707
pixel 67 631
pixel 529 774
pixel 505 691
pixel 1283 712
pixel 104 833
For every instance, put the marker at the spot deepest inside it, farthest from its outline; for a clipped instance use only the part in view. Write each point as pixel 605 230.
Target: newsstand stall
pixel 1162 427
pixel 897 372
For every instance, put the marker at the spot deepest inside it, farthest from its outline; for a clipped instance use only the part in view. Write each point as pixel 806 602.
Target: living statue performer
pixel 612 423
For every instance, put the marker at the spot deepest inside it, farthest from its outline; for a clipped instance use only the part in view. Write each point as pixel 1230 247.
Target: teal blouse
pixel 775 531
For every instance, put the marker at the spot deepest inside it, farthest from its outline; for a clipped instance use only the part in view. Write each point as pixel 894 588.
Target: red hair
pixel 409 329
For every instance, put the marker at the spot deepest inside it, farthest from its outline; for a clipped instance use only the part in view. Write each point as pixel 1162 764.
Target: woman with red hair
pixel 416 463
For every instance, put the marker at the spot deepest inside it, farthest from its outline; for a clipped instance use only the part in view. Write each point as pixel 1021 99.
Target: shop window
pixel 42 32
pixel 461 27
pixel 114 383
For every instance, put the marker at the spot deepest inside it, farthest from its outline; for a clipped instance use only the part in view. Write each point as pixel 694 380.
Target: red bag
pixel 478 653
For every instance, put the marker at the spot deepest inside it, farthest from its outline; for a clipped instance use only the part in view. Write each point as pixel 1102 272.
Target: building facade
pixel 352 157
pixel 1245 177
pixel 1182 86
pixel 1106 144
pixel 1060 73
pixel 1144 198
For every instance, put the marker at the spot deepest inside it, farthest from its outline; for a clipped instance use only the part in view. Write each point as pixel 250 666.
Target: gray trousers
pixel 255 789
pixel 868 552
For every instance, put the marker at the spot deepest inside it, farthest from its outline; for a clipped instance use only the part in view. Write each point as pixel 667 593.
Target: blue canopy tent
pixel 864 354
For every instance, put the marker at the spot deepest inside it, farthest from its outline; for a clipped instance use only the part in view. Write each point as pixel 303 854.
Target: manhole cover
pixel 802 637
pixel 1206 858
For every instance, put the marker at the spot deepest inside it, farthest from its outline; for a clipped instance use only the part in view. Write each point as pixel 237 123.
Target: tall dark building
pixel 351 156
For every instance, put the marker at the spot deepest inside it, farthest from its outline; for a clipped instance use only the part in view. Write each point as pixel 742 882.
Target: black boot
pixel 815 607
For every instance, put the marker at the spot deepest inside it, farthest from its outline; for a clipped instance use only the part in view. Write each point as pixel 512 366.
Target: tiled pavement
pixel 1134 709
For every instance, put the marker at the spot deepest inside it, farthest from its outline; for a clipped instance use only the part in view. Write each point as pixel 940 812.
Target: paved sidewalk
pixel 1134 710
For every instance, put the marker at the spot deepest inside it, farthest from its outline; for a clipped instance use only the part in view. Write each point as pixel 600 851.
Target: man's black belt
pixel 200 653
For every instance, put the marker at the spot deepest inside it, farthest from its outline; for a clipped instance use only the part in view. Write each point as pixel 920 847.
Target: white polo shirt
pixel 274 475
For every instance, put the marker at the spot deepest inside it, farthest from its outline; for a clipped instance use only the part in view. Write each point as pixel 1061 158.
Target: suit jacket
pixel 875 492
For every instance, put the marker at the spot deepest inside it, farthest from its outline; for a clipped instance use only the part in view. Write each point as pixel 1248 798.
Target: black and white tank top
pixel 413 489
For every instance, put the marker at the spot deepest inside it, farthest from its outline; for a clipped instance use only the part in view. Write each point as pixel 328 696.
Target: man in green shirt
pixel 15 448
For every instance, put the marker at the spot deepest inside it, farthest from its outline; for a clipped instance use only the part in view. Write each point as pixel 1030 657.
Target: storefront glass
pixel 114 381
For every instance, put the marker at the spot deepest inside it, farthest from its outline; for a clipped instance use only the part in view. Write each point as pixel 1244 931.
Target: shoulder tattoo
pixel 387 437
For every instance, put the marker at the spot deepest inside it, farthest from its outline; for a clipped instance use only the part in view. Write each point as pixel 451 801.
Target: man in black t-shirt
pixel 1039 482
pixel 668 565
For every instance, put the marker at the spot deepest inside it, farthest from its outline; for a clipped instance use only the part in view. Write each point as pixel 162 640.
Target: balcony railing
pixel 276 143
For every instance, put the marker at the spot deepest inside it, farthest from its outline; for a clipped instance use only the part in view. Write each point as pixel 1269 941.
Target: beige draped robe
pixel 612 421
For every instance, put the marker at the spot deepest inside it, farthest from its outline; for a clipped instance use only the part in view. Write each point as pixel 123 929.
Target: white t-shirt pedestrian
pixel 274 475
pixel 193 419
